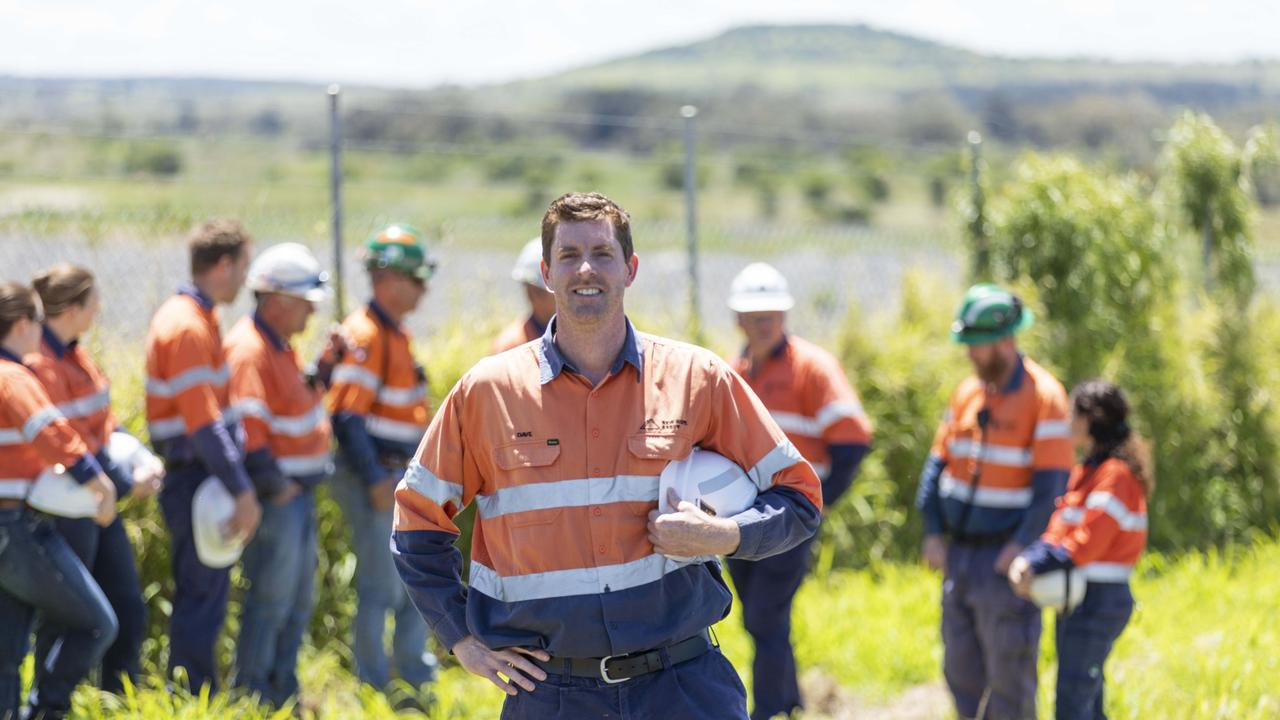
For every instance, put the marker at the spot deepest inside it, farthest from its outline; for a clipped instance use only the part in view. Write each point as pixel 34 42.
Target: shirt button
pixel 595 432
pixel 601 549
pixel 595 471
pixel 597 512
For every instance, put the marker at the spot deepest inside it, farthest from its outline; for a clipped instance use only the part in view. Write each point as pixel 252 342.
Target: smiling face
pixel 588 273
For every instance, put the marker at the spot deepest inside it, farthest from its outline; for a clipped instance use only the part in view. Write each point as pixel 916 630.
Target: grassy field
pixel 1201 645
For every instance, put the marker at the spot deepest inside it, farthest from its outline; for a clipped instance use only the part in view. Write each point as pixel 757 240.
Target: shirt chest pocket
pixel 530 494
pixel 651 453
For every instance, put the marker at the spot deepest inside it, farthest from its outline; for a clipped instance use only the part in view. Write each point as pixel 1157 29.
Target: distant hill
pixel 828 78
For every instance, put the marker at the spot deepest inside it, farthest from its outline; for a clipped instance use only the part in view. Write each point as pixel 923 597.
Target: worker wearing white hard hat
pixel 542 304
pixel 287 454
pixel 808 394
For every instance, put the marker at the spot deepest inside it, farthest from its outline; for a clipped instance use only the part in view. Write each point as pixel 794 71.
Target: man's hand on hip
pixel 512 662
pixel 935 552
pixel 690 532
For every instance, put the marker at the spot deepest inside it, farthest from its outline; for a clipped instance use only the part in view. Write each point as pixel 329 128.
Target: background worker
pixel 1100 530
pixel 192 429
pixel 379 410
pixel 82 394
pixel 808 395
pixel 999 461
pixel 542 304
pixel 38 570
pixel 589 602
pixel 287 454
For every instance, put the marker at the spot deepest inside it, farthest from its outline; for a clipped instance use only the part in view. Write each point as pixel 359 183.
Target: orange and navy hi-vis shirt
pixel 378 399
pixel 810 398
pixel 285 424
pixel 1022 458
pixel 563 476
pixel 516 334
pixel 1100 525
pixel 187 400
pixel 82 394
pixel 33 433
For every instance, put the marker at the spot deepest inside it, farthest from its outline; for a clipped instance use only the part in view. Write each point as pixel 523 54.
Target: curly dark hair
pixel 1104 406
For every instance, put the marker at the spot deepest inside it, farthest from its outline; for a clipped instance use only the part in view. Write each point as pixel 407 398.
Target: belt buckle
pixel 604 672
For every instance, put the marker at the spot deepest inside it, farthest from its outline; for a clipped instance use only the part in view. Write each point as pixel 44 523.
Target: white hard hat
pixel 528 268
pixel 1058 589
pixel 129 453
pixel 289 269
pixel 211 508
pixel 760 288
pixel 710 480
pixel 57 493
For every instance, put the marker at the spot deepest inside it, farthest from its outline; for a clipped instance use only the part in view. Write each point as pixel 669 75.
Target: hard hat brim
pixel 971 338
pixel 762 302
pixel 211 507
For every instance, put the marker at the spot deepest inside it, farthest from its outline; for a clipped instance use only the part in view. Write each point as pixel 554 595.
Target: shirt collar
pixel 778 351
pixel 58 347
pixel 189 288
pixel 382 316
pixel 269 334
pixel 5 354
pixel 1015 380
pixel 536 325
pixel 551 362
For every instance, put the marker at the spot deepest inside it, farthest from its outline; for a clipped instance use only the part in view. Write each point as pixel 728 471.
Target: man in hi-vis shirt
pixel 576 594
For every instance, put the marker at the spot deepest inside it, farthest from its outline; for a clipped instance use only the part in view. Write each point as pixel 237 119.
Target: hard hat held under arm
pixel 34 435
pixel 378 399
pixel 187 400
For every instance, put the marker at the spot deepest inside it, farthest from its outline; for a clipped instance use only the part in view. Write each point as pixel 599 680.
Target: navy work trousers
pixel 1084 639
pixel 766 589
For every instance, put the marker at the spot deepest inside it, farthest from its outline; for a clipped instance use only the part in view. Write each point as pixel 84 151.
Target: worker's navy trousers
pixel 1085 637
pixel 766 589
pixel 199 591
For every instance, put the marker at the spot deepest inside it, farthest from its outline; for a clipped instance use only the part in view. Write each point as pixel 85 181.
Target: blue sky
pixel 400 42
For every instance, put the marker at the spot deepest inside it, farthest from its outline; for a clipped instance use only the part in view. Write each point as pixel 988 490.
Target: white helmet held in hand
pixel 57 493
pixel 289 269
pixel 709 480
pixel 211 510
pixel 1061 590
pixel 760 288
pixel 528 268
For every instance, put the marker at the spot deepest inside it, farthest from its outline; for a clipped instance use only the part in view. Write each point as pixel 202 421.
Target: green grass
pixel 1202 644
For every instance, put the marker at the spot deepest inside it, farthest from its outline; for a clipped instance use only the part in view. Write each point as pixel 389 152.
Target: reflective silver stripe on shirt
pixel 990 454
pixel 796 424
pixel 402 397
pixel 87 405
pixel 39 421
pixel 355 375
pixel 833 412
pixel 1107 572
pixel 14 488
pixel 287 425
pixel 1113 506
pixel 568 583
pixel 166 428
pixel 424 482
pixel 303 465
pixel 568 493
pixel 1053 430
pixel 381 427
pixel 11 437
pixel 988 497
pixel 780 458
pixel 183 381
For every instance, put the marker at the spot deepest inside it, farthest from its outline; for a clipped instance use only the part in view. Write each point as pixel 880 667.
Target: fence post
pixel 689 113
pixel 980 245
pixel 335 199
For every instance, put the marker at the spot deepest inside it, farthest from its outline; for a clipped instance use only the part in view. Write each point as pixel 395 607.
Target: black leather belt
pixel 982 539
pixel 616 668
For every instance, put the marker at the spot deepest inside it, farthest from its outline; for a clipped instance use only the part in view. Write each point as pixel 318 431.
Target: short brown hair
pixel 214 240
pixel 17 301
pixel 62 286
pixel 585 207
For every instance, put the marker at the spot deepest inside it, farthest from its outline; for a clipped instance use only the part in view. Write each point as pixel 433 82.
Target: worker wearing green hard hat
pixel 989 313
pixel 399 247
